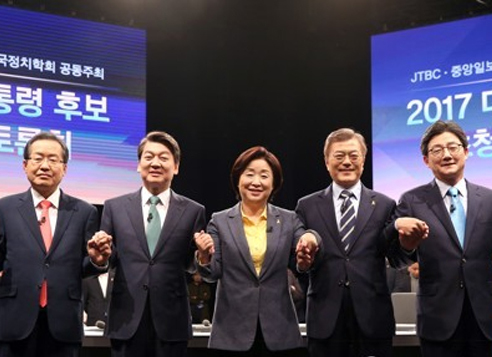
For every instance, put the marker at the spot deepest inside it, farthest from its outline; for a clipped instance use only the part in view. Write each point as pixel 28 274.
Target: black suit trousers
pixel 39 343
pixel 145 342
pixel 347 340
pixel 467 341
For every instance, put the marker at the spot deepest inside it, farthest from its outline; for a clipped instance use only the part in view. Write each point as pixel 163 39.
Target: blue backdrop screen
pixel 84 81
pixel 422 75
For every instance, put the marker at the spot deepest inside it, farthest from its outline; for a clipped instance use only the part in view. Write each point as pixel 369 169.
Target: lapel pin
pixel 278 221
pixel 373 202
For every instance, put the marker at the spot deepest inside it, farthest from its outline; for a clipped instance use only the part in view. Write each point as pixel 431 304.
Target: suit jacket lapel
pixel 174 213
pixel 473 207
pixel 274 227
pixel 28 214
pixel 239 237
pixel 135 216
pixel 326 209
pixel 436 204
pixel 65 212
pixel 367 205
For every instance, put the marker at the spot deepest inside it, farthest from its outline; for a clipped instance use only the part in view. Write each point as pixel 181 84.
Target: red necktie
pixel 45 226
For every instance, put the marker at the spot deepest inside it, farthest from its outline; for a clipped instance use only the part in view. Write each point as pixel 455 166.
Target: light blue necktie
pixel 154 224
pixel 457 213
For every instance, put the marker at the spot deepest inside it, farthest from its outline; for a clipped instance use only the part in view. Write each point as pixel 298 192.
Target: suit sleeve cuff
pixel 102 268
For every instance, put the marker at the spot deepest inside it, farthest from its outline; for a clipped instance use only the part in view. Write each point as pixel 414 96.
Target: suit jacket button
pixel 145 287
pixel 347 284
pixel 151 262
pixel 47 265
pixel 463 260
pixel 461 284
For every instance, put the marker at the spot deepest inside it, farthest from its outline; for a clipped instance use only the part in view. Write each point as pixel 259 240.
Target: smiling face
pixel 256 183
pixel 44 167
pixel 446 166
pixel 345 162
pixel 157 167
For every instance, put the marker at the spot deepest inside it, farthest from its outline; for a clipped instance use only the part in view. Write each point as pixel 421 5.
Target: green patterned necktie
pixel 154 224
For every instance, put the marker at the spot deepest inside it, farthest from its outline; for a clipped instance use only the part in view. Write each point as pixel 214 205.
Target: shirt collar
pixel 164 196
pixel 54 198
pixel 444 187
pixel 263 216
pixel 355 189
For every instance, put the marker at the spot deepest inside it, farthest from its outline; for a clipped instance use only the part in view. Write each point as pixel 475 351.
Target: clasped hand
pixel 205 245
pixel 99 248
pixel 411 232
pixel 306 249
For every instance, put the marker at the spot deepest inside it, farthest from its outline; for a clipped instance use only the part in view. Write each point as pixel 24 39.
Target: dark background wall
pixel 224 75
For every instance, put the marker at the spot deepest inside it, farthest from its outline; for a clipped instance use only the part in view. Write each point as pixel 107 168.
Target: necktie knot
pixel 45 204
pixel 154 200
pixel 453 192
pixel 346 195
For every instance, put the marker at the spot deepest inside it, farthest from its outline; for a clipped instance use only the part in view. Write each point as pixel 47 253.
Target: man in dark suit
pixel 96 294
pixel 45 250
pixel 452 240
pixel 349 310
pixel 153 230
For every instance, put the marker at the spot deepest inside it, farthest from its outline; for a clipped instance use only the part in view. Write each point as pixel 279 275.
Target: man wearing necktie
pixel 153 229
pixel 45 250
pixel 450 236
pixel 349 310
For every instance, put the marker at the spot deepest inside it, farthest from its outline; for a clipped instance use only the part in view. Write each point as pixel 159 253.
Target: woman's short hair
pixel 256 153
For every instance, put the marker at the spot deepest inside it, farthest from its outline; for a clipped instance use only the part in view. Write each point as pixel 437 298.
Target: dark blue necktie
pixel 347 220
pixel 457 213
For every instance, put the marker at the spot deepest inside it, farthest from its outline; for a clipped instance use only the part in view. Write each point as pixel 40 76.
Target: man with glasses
pixel 45 250
pixel 349 310
pixel 450 237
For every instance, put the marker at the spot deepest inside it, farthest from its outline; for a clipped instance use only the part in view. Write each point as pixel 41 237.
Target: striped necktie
pixel 347 220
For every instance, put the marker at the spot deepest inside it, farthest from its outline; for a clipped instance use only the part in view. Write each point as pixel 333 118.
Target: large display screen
pixel 82 80
pixel 422 75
